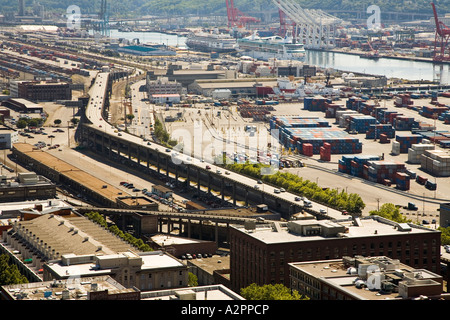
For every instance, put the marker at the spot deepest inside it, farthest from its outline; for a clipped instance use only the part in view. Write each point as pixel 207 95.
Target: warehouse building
pixel 162 85
pixel 23 105
pixel 239 88
pixel 348 278
pixel 68 246
pixel 27 186
pixel 143 270
pixel 87 288
pixel 8 137
pixel 261 254
pixel 41 90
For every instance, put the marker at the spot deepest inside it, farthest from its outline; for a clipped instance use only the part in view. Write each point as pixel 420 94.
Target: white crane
pixel 315 28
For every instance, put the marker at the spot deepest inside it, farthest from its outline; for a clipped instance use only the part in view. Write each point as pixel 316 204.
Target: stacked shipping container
pixel 436 162
pixel 402 180
pixel 375 130
pixel 416 151
pixel 407 140
pixel 384 171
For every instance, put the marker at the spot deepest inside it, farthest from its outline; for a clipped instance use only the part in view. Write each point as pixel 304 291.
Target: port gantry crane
pixel 441 38
pixel 316 29
pixel 237 18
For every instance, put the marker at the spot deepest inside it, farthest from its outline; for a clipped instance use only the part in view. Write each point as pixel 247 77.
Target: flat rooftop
pixel 213 292
pixel 334 273
pixel 153 260
pixel 372 226
pixel 53 290
pixel 168 240
pixel 70 171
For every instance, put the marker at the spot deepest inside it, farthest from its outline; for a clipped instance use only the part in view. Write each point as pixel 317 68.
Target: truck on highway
pixel 410 206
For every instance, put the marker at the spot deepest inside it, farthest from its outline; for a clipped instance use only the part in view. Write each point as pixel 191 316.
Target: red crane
pixel 441 39
pixel 237 18
pixel 284 23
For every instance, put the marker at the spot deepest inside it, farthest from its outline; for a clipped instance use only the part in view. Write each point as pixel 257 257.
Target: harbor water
pixel 391 68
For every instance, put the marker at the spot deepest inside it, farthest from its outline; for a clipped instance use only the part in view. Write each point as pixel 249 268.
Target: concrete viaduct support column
pixel 189 228
pixel 169 225
pixel 103 143
pixel 222 189
pixel 209 182
pixel 138 155
pixel 148 159
pixel 198 181
pixel 246 196
pixel 167 166
pixel 216 233
pixel 158 167
pixel 234 193
pixel 110 147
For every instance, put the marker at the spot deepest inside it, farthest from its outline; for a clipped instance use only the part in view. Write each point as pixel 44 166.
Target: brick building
pixel 42 90
pixel 261 255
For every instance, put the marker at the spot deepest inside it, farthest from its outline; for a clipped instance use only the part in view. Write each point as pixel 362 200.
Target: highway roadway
pixel 94 114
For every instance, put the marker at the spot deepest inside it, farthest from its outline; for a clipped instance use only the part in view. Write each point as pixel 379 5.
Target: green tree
pixel 391 212
pixel 21 124
pixel 270 292
pixel 192 280
pixel 445 235
pixel 9 273
pixel 33 123
pixel 57 122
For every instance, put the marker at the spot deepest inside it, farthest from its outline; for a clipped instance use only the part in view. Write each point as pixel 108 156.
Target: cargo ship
pixel 211 42
pixel 265 48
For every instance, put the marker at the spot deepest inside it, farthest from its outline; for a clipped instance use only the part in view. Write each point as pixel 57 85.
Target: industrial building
pixel 27 186
pixel 188 76
pixel 162 191
pixel 260 254
pixel 41 90
pixel 165 98
pixel 201 293
pixel 162 85
pixel 144 50
pixel 364 278
pixel 8 137
pixel 239 88
pixel 64 245
pixel 138 202
pixel 23 105
pixel 86 288
pixel 178 246
pixel 143 270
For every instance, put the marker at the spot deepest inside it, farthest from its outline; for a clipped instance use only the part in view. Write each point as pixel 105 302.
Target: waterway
pixel 391 68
